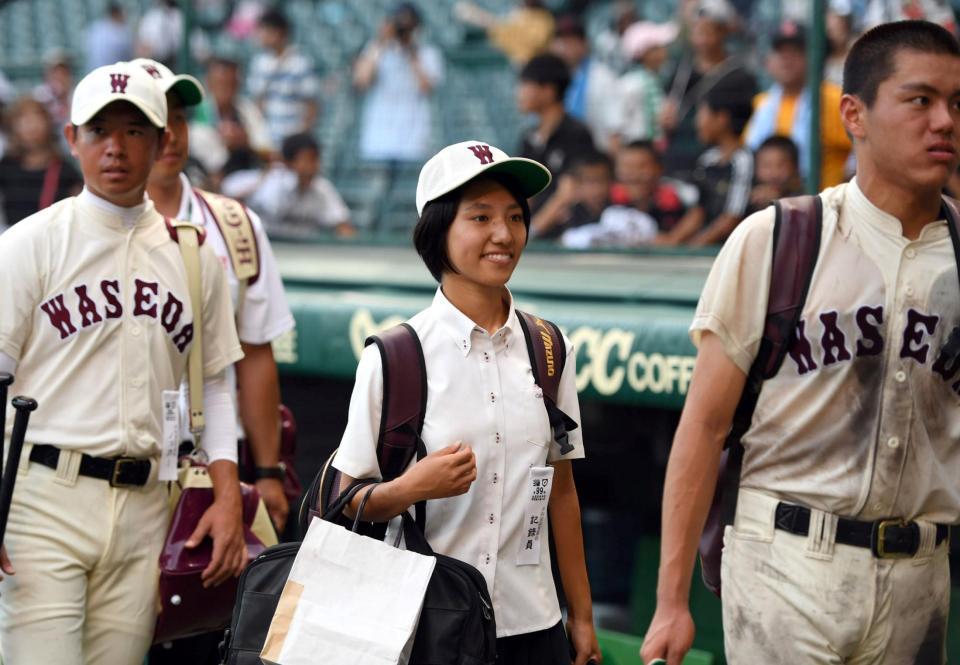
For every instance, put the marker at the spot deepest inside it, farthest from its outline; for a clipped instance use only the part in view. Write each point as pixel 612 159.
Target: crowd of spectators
pixel 658 133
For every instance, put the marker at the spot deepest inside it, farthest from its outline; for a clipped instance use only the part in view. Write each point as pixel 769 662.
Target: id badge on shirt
pixel 170 446
pixel 539 484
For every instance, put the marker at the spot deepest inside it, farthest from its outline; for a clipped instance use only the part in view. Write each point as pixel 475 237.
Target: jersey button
pixel 135 331
pixel 910 252
pixel 909 291
pixel 893 442
pixel 490 518
pixel 493 398
pixel 136 383
pixel 900 376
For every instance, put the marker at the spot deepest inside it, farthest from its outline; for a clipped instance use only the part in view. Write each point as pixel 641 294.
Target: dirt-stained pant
pixel 805 599
pixel 85 555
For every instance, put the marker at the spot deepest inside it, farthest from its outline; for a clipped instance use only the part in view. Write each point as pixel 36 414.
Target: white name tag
pixel 170 446
pixel 539 484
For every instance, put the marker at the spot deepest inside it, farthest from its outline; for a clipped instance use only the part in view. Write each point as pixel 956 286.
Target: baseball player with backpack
pixel 96 320
pixel 829 357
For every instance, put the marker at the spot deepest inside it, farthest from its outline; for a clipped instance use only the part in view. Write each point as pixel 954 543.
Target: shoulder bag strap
pixel 548 356
pixel 951 211
pixel 404 403
pixel 188 238
pixel 236 227
pixel 796 245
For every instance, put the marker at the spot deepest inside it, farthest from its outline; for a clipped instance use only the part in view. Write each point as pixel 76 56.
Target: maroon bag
pixel 796 244
pixel 188 608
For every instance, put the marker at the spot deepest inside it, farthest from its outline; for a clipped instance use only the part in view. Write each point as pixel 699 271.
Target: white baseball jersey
pixel 96 311
pixel 862 418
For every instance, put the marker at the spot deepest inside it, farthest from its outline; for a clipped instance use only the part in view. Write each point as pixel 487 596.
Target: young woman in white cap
pixel 486 430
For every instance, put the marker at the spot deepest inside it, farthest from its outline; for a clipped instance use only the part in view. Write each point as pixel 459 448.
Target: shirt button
pixel 486 357
pixel 490 518
pixel 487 557
pixel 909 291
pixel 495 477
pixel 910 253
pixel 493 398
pixel 497 437
pixel 893 442
pixel 135 331
pixel 900 376
pixel 878 507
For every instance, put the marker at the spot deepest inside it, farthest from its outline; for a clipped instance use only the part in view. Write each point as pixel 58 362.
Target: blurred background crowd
pixel 664 123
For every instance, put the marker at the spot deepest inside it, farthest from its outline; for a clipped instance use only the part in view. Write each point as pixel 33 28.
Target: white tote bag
pixel 349 599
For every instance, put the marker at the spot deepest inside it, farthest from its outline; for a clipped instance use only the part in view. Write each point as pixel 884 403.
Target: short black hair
pixel 296 143
pixel 274 18
pixel 590 158
pixel 547 69
pixel 780 142
pixel 430 233
pixel 870 61
pixel 734 101
pixel 646 146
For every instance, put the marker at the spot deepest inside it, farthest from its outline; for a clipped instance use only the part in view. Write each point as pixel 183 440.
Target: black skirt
pixel 543 647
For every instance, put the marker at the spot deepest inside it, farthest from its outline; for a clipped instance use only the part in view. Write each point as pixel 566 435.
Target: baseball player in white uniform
pixel 857 433
pixel 261 317
pixel 96 323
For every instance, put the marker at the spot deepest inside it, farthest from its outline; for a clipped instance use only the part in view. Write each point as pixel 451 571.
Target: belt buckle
pixel 879 537
pixel 118 466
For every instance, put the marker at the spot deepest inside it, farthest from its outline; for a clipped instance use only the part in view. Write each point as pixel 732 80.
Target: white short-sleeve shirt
pixel 480 391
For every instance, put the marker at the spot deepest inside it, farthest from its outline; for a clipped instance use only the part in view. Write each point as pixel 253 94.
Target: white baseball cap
pixel 187 87
pixel 644 35
pixel 461 162
pixel 119 82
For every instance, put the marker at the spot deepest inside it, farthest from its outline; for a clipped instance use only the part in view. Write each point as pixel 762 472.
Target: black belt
pixel 118 471
pixel 887 539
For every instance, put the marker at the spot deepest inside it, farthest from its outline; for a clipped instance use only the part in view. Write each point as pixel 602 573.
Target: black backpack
pixel 796 244
pixel 457 624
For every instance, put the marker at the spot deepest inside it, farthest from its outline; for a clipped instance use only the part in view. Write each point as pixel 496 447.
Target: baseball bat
pixel 23 405
pixel 6 379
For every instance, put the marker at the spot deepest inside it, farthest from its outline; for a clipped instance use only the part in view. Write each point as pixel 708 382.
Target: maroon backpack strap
pixel 951 212
pixel 404 403
pixel 797 230
pixel 548 356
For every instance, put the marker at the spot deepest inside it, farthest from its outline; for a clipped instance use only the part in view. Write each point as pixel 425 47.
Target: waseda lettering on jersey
pixel 86 308
pixel 866 337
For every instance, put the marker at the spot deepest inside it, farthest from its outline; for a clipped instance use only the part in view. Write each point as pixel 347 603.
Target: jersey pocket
pixel 536 423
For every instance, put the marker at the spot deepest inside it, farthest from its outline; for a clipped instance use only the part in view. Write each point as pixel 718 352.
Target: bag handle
pixel 363 505
pixel 189 240
pixel 345 498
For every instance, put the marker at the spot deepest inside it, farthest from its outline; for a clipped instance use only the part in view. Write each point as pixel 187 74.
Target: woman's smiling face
pixel 487 236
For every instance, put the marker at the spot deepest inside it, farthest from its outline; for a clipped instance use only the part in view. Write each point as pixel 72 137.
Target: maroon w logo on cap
pixel 482 152
pixel 118 83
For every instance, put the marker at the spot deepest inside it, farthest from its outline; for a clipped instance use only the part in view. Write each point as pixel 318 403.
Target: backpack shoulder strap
pixel 797 230
pixel 951 211
pixel 236 227
pixel 404 404
pixel 548 357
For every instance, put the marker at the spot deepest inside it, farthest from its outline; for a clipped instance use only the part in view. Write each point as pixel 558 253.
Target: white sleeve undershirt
pixel 220 434
pixel 7 364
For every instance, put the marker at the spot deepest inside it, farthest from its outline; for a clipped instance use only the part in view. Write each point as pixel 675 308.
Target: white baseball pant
pixel 806 599
pixel 85 555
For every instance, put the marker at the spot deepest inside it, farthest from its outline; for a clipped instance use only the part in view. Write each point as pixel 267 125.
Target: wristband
pixel 278 472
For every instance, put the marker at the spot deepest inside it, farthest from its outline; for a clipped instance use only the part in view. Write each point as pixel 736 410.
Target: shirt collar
pixel 185 213
pixel 115 216
pixel 859 209
pixel 461 327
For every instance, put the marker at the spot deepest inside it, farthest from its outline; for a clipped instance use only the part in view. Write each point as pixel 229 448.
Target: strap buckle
pixel 879 538
pixel 125 473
